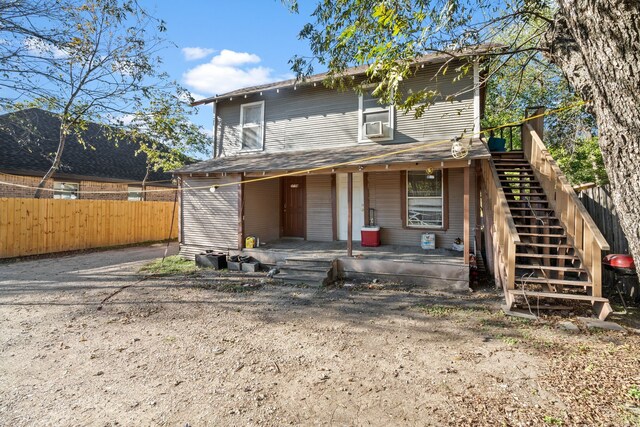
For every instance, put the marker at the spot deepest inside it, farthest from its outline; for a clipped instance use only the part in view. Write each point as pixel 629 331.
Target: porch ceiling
pixel 302 160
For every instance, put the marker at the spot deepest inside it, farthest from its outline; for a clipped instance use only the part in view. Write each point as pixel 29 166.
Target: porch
pixel 313 261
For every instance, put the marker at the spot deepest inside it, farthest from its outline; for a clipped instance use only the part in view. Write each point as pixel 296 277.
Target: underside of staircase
pixel 547 265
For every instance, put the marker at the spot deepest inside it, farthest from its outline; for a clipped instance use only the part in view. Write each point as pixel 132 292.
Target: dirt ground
pixel 206 350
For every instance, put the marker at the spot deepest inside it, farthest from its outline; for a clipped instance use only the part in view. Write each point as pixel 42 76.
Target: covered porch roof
pixel 354 156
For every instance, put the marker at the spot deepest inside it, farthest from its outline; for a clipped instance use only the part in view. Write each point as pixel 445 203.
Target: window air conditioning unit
pixel 373 129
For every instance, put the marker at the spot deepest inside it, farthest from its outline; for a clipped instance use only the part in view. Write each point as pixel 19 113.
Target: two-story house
pixel 296 151
pixel 302 168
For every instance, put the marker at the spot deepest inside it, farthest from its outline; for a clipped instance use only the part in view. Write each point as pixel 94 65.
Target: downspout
pixel 215 129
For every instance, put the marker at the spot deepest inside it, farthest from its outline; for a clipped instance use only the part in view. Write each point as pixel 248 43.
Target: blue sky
pixel 224 45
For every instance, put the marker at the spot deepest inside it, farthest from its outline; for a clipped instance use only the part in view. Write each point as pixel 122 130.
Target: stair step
pixel 519 186
pixel 528 209
pixel 306 262
pixel 522 193
pixel 543 202
pixel 300 279
pixel 503 153
pixel 553 281
pixel 299 267
pixel 532 216
pixel 516 292
pixel 552 268
pixel 557 227
pixel 516 181
pixel 562 235
pixel 513 168
pixel 548 256
pixel 509 162
pixel 544 245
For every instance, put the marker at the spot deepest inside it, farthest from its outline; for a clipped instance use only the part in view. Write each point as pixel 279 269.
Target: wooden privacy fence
pixel 599 204
pixel 40 226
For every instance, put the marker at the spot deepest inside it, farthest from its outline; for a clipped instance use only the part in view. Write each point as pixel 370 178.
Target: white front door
pixel 343 206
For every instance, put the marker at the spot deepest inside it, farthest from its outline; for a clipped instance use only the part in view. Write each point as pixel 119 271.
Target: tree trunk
pixel 56 162
pixel 144 184
pixel 596 43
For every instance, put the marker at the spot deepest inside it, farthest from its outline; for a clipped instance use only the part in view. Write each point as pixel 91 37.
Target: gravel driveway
pixel 185 350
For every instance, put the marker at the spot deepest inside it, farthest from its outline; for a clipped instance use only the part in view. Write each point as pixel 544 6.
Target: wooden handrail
pixel 503 231
pixel 568 189
pixel 585 236
pixel 504 204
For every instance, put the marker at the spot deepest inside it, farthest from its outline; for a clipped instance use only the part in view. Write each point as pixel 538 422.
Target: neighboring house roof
pixel 353 71
pixel 302 160
pixel 29 140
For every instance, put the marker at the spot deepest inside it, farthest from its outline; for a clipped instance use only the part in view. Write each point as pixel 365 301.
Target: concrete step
pixel 302 277
pixel 310 262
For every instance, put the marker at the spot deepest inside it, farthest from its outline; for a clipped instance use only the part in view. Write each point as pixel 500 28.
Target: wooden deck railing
pixel 580 228
pixel 503 228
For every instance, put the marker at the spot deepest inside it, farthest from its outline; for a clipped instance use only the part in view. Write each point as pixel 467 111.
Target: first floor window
pixel 135 193
pixel 424 199
pixel 252 125
pixel 65 190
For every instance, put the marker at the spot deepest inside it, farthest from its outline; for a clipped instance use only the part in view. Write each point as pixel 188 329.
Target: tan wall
pixel 385 196
pixel 319 209
pixel 33 181
pixel 262 210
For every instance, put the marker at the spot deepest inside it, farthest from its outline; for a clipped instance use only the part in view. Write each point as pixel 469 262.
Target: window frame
pixel 58 193
pixel 445 201
pixel 138 189
pixel 361 112
pixel 242 127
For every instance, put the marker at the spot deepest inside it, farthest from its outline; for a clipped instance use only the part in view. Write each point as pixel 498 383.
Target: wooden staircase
pixel 547 246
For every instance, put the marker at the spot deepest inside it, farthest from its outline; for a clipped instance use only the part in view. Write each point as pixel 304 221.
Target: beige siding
pixel 385 196
pixel 262 210
pixel 319 210
pixel 209 220
pixel 317 117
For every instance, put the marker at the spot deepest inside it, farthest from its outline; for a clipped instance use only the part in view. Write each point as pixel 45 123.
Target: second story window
pixel 376 119
pixel 252 125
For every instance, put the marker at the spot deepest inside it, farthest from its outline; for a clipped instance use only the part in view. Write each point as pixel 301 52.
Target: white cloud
pixel 193 53
pixel 227 71
pixel 38 47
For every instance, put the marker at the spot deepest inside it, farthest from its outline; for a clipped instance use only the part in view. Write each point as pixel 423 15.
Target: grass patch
pixel 554 421
pixel 171 266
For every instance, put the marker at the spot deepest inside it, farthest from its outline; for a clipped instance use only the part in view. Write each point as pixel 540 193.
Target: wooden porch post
pixel 350 214
pixel 467 239
pixel 240 216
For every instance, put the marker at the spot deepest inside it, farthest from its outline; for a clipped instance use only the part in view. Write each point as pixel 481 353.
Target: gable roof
pixel 359 155
pixel 353 71
pixel 29 140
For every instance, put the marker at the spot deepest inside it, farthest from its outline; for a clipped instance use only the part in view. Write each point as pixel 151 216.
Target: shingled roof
pixel 355 155
pixel 29 140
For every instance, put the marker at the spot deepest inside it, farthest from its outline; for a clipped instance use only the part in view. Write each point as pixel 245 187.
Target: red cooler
pixel 370 236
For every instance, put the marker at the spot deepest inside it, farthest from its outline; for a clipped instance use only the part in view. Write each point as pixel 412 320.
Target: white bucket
pixel 428 241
